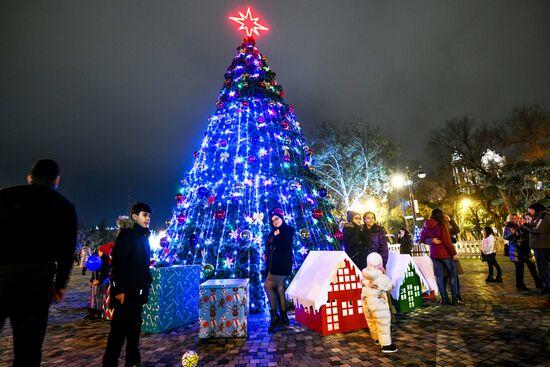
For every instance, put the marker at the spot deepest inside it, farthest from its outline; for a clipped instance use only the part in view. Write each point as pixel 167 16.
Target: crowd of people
pixel 30 282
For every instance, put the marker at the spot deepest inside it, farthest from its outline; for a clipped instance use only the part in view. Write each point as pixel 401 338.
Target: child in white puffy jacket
pixel 375 302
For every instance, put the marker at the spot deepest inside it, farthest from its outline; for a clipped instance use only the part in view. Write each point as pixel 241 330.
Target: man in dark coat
pixel 130 282
pixel 38 227
pixel 539 240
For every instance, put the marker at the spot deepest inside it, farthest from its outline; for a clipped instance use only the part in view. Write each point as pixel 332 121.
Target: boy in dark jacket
pixel 130 282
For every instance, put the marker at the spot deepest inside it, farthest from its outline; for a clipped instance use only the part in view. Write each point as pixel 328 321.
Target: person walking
pixel 442 253
pixel 488 249
pixel 519 251
pixel 278 256
pixel 130 283
pixel 404 239
pixel 85 253
pixel 39 231
pixel 354 240
pixel 539 240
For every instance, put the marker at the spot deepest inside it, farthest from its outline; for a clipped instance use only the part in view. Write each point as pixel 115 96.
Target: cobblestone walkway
pixel 497 326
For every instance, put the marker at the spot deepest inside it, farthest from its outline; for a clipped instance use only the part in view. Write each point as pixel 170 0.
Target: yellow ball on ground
pixel 190 359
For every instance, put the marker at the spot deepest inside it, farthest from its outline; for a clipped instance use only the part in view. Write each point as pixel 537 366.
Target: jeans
pixel 519 274
pixel 449 264
pixel 543 265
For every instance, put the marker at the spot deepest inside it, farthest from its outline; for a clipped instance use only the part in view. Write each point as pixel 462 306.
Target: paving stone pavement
pixel 497 326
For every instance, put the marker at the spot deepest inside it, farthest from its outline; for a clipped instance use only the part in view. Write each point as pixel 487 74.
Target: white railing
pixel 468 249
pixel 465 249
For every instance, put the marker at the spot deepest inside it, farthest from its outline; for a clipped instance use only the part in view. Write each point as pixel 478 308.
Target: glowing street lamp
pixel 465 203
pixel 400 180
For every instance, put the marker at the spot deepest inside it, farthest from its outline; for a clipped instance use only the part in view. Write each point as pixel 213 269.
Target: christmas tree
pixel 253 161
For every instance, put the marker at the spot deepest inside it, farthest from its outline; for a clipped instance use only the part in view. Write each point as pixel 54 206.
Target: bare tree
pixel 526 131
pixel 351 162
pixel 470 140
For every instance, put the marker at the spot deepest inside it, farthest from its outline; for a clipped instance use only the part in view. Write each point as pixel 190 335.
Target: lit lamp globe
pixel 398 180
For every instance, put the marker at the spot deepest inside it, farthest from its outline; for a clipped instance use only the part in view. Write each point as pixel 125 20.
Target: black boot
pixel 275 320
pixel 284 318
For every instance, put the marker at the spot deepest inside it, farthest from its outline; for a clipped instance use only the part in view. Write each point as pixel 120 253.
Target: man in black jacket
pixel 130 282
pixel 38 227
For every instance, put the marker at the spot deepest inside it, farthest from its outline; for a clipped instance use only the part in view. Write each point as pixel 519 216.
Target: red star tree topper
pixel 249 23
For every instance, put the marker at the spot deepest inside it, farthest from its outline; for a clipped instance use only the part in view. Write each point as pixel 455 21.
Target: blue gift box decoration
pixel 223 308
pixel 174 298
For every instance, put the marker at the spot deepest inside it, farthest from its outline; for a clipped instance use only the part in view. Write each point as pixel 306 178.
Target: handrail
pixel 465 249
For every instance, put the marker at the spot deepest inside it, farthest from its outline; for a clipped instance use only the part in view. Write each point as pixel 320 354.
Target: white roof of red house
pixel 311 284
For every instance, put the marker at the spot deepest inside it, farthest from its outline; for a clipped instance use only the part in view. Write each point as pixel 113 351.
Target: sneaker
pixel 489 280
pixel 457 302
pixel 498 280
pixel 522 288
pixel 389 348
pixel 376 342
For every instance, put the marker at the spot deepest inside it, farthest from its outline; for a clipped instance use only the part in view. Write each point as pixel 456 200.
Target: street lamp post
pixel 420 173
pixel 400 181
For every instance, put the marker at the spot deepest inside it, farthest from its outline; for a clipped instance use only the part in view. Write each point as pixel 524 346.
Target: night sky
pixel 119 92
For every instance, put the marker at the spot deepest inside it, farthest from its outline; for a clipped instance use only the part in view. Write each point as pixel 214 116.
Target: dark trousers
pixel 125 325
pixel 492 262
pixel 29 328
pixel 543 264
pixel 519 274
pixel 25 298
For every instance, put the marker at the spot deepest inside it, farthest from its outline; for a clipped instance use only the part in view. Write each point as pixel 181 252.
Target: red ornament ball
pixel 286 158
pixel 244 103
pixel 339 235
pixel 180 198
pixel 182 218
pixel 317 214
pixel 195 154
pixel 285 125
pixel 164 242
pixel 222 143
pixel 251 159
pixel 291 109
pixel 220 214
pixel 273 82
pixel 220 105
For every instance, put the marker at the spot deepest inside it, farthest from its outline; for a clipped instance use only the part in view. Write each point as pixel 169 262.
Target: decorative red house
pixel 326 293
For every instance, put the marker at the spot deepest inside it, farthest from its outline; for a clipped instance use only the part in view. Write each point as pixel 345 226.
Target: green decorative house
pixel 408 282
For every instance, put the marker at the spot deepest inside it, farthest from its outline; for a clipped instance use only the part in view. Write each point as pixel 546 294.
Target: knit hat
pixel 278 212
pixel 374 259
pixel 350 214
pixel 537 207
pixel 107 248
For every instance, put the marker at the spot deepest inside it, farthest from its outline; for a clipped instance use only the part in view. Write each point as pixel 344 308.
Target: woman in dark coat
pixel 519 251
pixel 404 239
pixel 353 240
pixel 375 237
pixel 278 256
